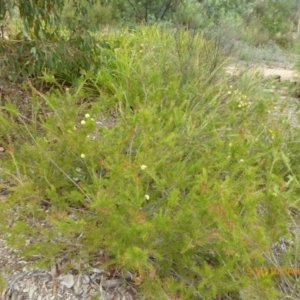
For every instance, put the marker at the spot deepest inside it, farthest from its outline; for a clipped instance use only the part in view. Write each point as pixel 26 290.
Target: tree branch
pixel 168 6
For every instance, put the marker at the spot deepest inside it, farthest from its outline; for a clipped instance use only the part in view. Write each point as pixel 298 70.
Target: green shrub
pixel 192 15
pixel 188 189
pixel 66 59
pixel 256 22
pixel 275 16
pixel 96 15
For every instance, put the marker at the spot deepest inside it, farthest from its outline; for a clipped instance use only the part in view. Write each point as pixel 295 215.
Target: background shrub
pixel 65 59
pixel 97 15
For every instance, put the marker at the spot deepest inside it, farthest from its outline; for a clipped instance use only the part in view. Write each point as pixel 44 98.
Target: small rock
pixel 68 280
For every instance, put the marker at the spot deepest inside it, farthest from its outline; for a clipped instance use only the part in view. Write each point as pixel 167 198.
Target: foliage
pixel 39 16
pixel 42 18
pixel 145 10
pixel 188 188
pixel 262 20
pixel 95 15
pixel 67 52
pixel 192 15
pixel 275 16
pixel 216 10
pixel 63 59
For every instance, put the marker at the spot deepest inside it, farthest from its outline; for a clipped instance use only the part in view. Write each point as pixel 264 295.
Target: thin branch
pixel 168 6
pixel 133 7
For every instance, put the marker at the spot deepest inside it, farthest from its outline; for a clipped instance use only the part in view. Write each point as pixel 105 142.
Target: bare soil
pixel 283 67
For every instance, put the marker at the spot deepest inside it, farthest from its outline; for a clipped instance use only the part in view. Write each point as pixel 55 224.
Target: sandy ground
pixel 285 73
pixel 285 68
